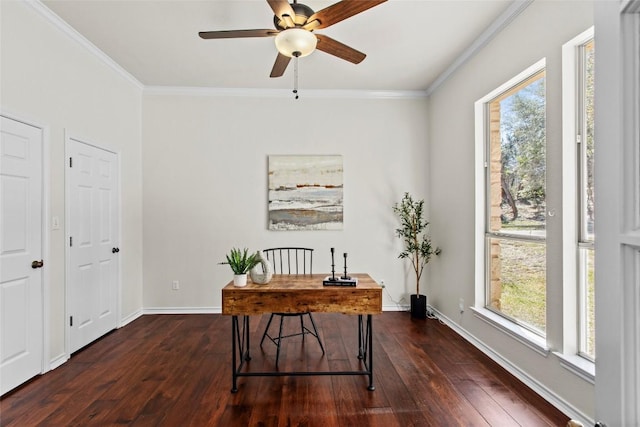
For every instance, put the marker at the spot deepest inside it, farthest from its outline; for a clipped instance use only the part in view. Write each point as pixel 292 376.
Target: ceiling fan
pixel 294 36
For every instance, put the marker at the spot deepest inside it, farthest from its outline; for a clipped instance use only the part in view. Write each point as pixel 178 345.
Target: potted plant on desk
pixel 417 245
pixel 241 262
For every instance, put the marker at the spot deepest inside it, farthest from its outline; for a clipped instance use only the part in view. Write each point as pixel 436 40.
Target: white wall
pixel 50 79
pixel 205 185
pixel 538 32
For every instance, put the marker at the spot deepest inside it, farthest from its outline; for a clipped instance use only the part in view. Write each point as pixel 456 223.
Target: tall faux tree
pixel 413 232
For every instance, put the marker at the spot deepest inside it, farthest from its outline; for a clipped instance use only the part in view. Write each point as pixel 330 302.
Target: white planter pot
pixel 239 280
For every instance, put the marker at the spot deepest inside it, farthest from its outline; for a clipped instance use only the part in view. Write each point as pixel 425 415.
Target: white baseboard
pixel 182 310
pixel 130 318
pixel 58 361
pixel 395 307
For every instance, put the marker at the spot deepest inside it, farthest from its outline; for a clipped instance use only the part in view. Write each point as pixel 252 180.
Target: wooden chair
pixel 290 261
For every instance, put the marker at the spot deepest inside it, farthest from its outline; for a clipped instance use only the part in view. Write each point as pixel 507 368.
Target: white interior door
pixel 21 330
pixel 93 231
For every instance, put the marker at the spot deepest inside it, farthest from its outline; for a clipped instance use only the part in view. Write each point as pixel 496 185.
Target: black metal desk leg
pixel 239 348
pixel 370 338
pixel 234 325
pixel 246 354
pixel 361 343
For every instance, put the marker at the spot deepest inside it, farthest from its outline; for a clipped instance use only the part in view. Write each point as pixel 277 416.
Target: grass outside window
pixel 518 282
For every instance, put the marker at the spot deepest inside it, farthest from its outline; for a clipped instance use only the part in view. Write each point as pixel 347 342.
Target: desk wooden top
pixel 303 293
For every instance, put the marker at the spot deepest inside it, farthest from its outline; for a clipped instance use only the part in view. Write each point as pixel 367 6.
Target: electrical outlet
pixel 382 283
pixel 176 285
pixel 461 305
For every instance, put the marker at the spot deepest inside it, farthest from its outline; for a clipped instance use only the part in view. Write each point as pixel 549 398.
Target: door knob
pixel 115 250
pixel 37 264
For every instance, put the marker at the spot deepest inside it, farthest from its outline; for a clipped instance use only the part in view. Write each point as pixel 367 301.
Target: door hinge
pixel 578 139
pixel 70 320
pixel 70 241
pixel 70 162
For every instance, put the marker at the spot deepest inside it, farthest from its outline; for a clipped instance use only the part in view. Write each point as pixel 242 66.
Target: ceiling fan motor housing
pixel 302 13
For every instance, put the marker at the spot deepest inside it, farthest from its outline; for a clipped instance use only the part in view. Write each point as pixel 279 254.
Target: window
pixel 522 287
pixel 585 191
pixel 578 200
pixel 515 202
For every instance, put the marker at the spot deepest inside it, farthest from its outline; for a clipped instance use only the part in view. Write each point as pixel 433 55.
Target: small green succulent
pixel 240 261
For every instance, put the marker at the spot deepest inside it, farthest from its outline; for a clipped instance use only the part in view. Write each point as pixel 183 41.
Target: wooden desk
pixel 301 294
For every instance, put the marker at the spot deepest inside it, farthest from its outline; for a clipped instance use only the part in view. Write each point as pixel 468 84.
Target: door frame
pixel 68 138
pixel 45 362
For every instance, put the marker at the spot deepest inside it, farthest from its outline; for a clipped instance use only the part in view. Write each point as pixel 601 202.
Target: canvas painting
pixel 305 193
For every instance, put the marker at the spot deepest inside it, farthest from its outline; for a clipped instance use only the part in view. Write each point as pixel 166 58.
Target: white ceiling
pixel 408 43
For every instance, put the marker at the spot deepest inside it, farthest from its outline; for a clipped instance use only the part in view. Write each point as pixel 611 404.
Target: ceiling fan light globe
pixel 296 40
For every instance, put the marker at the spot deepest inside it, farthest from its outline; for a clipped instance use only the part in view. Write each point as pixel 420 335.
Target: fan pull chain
pixel 295 74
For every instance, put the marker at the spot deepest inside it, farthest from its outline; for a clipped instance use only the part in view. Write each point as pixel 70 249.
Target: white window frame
pixel 570 354
pixel 522 334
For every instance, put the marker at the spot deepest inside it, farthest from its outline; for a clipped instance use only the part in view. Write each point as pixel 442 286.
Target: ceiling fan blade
pixel 280 65
pixel 335 48
pixel 340 11
pixel 281 8
pixel 232 34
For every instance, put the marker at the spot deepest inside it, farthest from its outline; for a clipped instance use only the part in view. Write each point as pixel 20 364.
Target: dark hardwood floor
pixel 175 370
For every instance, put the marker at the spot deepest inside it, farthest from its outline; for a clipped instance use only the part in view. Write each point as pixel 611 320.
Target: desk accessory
pixel 261 273
pixel 339 281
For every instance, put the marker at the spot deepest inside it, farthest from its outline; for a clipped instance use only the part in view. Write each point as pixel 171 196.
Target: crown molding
pixel 67 29
pixel 499 24
pixel 283 93
pixel 630 6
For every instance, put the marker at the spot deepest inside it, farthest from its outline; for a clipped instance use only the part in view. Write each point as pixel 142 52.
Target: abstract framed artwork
pixel 305 192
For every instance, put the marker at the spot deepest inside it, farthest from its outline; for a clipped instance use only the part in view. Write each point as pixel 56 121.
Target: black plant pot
pixel 419 306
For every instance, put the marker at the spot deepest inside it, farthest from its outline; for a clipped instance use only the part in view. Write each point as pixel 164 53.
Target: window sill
pixel 524 336
pixel 580 366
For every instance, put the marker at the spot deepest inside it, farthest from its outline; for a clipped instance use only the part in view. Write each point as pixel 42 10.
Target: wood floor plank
pixel 492 412
pixel 170 370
